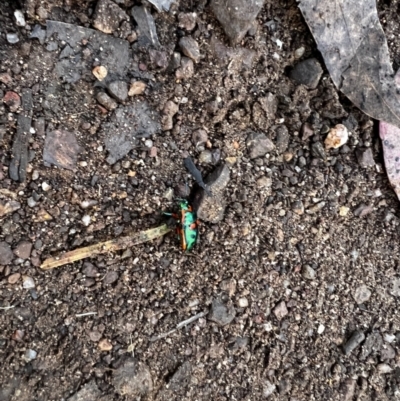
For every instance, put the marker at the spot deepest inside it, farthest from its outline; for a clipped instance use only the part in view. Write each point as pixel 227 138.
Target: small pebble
pixel 343 211
pixel 13 278
pixel 299 53
pixel 321 329
pixel 86 220
pixel 27 282
pixel 12 38
pixel 35 175
pixel 280 310
pixel 354 341
pixel 205 157
pixel 362 294
pixel 105 345
pixel 100 72
pixel 31 202
pixel 383 368
pixel 19 18
pixel 308 272
pixel 137 88
pixel 45 186
pixel 243 302
pixel 30 355
pixel 153 152
pixel 148 143
pixel 298 207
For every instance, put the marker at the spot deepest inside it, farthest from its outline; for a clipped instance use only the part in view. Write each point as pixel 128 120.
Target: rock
pixel 100 72
pixel 337 137
pixel 236 16
pixel 28 283
pixel 362 294
pixel 199 137
pixel 282 138
pixel 146 25
pixel 110 278
pixel 19 18
pixel 212 208
pixel 8 205
pixel 12 38
pixel 108 16
pixel 186 70
pixel 68 52
pixel 126 126
pixel 159 58
pixel 6 254
pixel 132 379
pixel 387 352
pixel 89 392
pixel 221 313
pixel 30 355
pixel 38 33
pixel 264 182
pixel 61 149
pixel 181 378
pixel 23 249
pixel 317 150
pixel 86 219
pixel 170 109
pixel 307 72
pixel 161 5
pixel 383 368
pixel 12 100
pixel 306 131
pixel 343 211
pixel 365 157
pixel 243 302
pixel 118 90
pixel 13 278
pixel 205 157
pixel 190 48
pixel 105 345
pixel 187 21
pixel 268 388
pixel 298 207
pixel 153 151
pixel 308 272
pixel 371 346
pixel 106 101
pixel 89 270
pixel 136 88
pixel 280 310
pixel 6 78
pixel 354 341
pixel 258 145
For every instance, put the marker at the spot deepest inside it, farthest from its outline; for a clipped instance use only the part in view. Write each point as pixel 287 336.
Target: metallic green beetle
pixel 187 225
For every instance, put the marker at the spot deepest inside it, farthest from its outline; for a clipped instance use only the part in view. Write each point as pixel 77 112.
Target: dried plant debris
pixel 354 47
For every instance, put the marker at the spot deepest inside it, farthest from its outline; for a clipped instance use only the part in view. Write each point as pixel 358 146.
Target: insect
pixel 187 225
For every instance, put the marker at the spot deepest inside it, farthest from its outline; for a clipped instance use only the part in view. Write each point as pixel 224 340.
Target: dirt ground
pixel 297 286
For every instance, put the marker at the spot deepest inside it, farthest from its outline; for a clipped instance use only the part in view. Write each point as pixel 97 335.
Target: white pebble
pixel 19 18
pixel 83 164
pixel 30 354
pixel 35 175
pixel 298 53
pixel 383 368
pixel 321 329
pixel 32 130
pixel 12 38
pixel 148 143
pixel 337 137
pixel 243 302
pixel 86 220
pixel 31 202
pixel 389 338
pixel 45 186
pixel 28 282
pixel 100 148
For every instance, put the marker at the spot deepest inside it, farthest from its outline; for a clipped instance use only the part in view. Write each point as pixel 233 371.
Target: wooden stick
pixel 104 247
